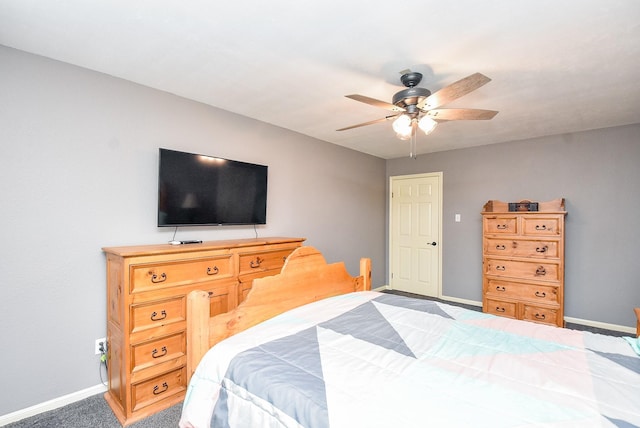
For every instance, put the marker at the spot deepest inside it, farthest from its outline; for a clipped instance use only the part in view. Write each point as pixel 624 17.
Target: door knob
pixel 433 243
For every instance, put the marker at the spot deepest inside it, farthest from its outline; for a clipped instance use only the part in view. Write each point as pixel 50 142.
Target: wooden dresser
pixel 523 261
pixel 146 311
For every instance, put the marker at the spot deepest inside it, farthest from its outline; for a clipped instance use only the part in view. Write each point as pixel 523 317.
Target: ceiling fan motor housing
pixel 410 97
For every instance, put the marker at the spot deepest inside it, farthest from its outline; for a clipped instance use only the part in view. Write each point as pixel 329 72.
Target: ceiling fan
pixel 417 107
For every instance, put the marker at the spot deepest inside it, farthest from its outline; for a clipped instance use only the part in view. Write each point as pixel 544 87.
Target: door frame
pixel 439 176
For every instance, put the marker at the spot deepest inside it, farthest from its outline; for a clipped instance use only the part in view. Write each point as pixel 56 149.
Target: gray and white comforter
pixel 377 360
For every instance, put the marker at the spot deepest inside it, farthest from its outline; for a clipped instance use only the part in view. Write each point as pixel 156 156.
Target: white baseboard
pixel 606 326
pixel 51 404
pixel 462 301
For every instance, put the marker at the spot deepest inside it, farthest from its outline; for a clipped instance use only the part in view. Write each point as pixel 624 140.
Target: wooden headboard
pixel 305 278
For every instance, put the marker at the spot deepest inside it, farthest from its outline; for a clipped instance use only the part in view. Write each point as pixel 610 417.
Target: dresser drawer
pixel 542 270
pixel 522 291
pixel 498 307
pixel 159 388
pixel 158 314
pixel 158 351
pixel 222 298
pixel 541 226
pixel 541 315
pixel 261 261
pixel 145 277
pixel 507 225
pixel 521 248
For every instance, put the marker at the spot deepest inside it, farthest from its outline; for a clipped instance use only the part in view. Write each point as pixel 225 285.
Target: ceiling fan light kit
pixel 427 124
pixel 403 126
pixel 416 107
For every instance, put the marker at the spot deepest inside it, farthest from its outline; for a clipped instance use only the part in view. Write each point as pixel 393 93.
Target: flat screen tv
pixel 199 190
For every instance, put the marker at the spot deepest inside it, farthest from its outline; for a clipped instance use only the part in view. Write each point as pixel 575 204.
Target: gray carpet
pixel 94 412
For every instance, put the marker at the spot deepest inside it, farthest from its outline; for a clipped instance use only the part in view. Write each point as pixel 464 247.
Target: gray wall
pixel 598 174
pixel 79 171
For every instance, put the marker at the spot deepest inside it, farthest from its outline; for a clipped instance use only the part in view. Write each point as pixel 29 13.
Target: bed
pixel 314 347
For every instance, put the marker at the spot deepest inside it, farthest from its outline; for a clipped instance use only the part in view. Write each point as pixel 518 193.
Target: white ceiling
pixel 556 66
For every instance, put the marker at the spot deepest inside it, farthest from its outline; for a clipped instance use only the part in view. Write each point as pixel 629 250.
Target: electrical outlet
pixel 100 343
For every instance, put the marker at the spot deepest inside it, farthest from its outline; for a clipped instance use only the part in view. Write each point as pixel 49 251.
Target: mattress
pixel 370 359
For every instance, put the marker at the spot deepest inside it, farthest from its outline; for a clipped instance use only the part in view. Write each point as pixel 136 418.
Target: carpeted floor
pixel 94 412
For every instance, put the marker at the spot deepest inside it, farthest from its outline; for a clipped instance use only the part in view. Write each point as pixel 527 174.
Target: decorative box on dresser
pixel 523 260
pixel 146 311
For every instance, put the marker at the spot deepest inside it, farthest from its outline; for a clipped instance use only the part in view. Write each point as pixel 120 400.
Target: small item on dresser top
pixel 190 241
pixel 523 205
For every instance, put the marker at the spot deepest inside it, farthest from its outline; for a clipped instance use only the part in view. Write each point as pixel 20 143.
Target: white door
pixel 415 234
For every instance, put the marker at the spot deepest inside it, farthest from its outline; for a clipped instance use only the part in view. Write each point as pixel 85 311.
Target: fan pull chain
pixel 412 141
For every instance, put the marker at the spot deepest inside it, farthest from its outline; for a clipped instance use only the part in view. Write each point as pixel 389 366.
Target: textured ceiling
pixel 556 66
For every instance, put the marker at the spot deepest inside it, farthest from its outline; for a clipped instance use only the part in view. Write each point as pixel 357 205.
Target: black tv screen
pixel 195 190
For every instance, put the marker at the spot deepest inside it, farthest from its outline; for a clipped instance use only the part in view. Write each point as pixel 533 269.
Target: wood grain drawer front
pixel 157 314
pixel 158 351
pixel 522 291
pixel 542 315
pixel 220 300
pixel 161 387
pixel 498 307
pixel 162 275
pixel 543 270
pixel 541 226
pixel 263 261
pixel 501 225
pixel 521 248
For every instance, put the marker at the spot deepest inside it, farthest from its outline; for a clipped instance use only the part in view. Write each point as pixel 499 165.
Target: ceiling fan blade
pixel 454 91
pixel 461 114
pixel 374 102
pixel 368 123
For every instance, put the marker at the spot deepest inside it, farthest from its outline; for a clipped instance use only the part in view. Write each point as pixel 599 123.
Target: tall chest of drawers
pixel 146 311
pixel 523 261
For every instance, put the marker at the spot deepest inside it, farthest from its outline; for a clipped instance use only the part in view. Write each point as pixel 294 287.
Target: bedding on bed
pixel 371 359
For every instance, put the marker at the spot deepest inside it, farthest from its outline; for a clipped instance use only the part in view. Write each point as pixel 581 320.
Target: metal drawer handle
pixel 154 353
pixel 500 288
pixel 158 391
pixel 542 250
pixel 540 316
pixel 499 309
pixel 161 278
pixel 541 271
pixel 155 317
pixel 541 294
pixel 541 227
pixel 501 226
pixel 256 263
pixel 500 247
pixel 212 271
pixel 501 268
